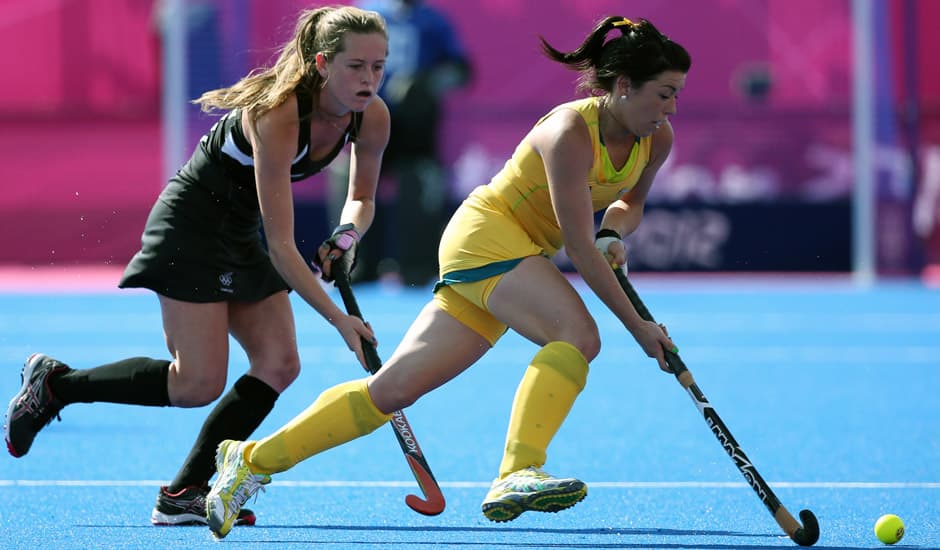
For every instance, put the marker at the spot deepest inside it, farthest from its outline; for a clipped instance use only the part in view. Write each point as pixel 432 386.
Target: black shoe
pixel 188 507
pixel 33 407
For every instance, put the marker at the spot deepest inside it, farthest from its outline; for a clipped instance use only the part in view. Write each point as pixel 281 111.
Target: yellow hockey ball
pixel 889 528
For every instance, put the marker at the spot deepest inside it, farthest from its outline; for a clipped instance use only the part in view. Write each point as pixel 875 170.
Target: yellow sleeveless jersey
pixel 512 217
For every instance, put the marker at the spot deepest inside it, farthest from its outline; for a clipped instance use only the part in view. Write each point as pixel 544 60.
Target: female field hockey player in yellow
pixel 204 256
pixel 597 153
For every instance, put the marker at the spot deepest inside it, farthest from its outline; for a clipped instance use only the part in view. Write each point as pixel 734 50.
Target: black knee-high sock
pixel 235 416
pixel 134 381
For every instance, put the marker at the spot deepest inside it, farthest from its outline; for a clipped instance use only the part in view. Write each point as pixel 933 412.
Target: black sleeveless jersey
pixel 202 241
pixel 221 168
pixel 226 143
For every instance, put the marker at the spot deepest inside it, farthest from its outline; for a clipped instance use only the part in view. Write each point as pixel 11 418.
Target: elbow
pixel 578 254
pixel 276 254
pixel 279 254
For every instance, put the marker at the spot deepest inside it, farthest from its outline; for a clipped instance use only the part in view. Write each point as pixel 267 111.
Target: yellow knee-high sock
pixel 548 389
pixel 340 414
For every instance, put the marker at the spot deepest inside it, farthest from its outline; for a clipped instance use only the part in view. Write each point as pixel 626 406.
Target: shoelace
pixel 537 473
pixel 530 478
pixel 30 403
pixel 249 487
pixel 198 503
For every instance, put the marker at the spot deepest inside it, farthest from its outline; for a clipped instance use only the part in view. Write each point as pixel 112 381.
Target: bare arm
pixel 564 144
pixel 364 166
pixel 625 214
pixel 274 142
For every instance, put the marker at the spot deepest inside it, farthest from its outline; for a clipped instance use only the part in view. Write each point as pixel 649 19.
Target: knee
pixel 278 370
pixel 390 395
pixel 195 387
pixel 287 369
pixel 391 398
pixel 587 340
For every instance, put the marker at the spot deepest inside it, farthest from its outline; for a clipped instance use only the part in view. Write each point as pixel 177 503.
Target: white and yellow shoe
pixel 235 485
pixel 531 489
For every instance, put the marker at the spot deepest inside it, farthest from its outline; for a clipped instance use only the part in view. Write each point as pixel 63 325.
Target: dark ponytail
pixel 640 53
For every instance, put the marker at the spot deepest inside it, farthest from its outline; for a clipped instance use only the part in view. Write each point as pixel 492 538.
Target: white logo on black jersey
pixel 226 280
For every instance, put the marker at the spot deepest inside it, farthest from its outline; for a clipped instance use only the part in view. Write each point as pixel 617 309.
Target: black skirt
pixel 201 244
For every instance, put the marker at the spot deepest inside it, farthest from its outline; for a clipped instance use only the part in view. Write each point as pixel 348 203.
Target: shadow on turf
pixel 544 530
pixel 560 543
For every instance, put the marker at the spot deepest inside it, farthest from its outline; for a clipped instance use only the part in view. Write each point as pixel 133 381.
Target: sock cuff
pixel 565 359
pixel 162 374
pixel 523 456
pixel 367 415
pixel 253 388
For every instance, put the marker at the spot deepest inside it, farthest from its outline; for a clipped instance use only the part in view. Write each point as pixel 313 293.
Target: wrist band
pixel 607 233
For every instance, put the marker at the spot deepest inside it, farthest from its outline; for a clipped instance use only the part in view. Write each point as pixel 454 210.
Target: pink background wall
pixel 79 108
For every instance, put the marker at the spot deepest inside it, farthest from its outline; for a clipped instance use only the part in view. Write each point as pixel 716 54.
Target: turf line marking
pixel 484 484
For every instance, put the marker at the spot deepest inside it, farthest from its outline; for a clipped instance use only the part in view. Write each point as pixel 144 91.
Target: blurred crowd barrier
pixel 760 178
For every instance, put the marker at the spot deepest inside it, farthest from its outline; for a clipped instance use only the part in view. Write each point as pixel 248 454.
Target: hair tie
pixel 623 22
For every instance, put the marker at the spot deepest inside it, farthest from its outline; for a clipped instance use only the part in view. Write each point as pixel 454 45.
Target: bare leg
pixel 197 337
pixel 436 348
pixel 265 329
pixel 539 303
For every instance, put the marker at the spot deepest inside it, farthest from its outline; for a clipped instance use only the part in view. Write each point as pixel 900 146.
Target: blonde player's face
pixel 354 74
pixel 650 105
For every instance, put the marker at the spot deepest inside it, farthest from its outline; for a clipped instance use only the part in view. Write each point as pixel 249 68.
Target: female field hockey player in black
pixel 600 153
pixel 202 251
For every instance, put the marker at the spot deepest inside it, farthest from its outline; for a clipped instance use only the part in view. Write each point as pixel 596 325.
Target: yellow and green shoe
pixel 531 489
pixel 236 483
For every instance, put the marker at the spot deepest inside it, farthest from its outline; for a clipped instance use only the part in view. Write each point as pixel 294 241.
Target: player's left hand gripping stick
pixel 806 534
pixel 433 502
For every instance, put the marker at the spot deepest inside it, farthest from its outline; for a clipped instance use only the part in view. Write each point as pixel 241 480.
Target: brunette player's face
pixel 650 105
pixel 356 72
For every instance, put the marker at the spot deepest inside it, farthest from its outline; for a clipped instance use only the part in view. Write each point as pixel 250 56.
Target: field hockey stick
pixel 806 534
pixel 433 502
